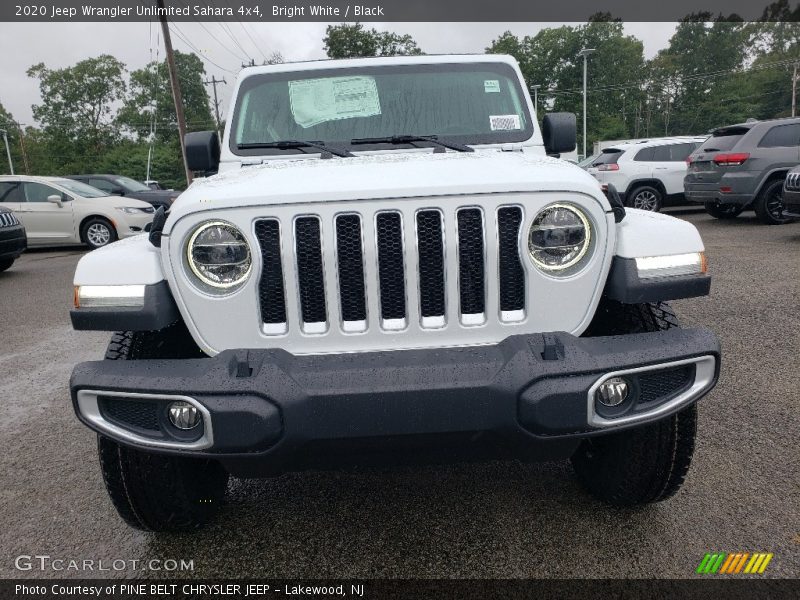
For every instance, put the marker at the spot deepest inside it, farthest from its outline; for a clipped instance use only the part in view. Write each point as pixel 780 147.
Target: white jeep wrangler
pixel 391 265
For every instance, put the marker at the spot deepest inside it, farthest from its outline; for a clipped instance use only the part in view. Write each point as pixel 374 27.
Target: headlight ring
pixel 219 256
pixel 559 238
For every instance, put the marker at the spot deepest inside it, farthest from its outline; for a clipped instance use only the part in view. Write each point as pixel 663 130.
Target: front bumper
pixel 267 411
pixel 791 202
pixel 13 241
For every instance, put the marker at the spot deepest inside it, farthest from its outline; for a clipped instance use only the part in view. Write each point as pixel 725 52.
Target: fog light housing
pixel 613 391
pixel 183 415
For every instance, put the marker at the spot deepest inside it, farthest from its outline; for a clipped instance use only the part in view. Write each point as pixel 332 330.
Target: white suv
pixel 648 175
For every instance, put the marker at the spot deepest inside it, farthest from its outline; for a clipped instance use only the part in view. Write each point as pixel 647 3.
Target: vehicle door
pixel 12 196
pixel 107 186
pixel 778 148
pixel 45 220
pixel 669 165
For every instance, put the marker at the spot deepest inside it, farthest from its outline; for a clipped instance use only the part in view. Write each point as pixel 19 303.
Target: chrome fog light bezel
pixel 207 283
pixel 570 266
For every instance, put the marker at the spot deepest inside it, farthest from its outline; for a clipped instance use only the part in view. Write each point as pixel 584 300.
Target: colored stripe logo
pixel 723 563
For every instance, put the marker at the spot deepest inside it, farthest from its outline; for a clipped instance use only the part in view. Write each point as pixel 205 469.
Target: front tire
pixel 98 232
pixel 723 211
pixel 648 463
pixel 769 204
pixel 156 492
pixel 646 198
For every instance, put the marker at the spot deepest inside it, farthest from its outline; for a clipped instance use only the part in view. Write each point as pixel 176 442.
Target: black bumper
pixel 791 203
pixel 13 241
pixel 268 411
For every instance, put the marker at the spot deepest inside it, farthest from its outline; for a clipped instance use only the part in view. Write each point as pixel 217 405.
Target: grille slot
pixel 391 269
pixel 350 258
pixel 271 292
pixel 659 385
pixel 512 275
pixel 130 413
pixel 430 243
pixel 310 276
pixel 471 266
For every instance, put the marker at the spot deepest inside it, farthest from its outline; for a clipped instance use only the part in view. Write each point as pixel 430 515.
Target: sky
pixel 63 44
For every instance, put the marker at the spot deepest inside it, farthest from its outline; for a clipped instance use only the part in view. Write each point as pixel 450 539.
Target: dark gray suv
pixel 743 166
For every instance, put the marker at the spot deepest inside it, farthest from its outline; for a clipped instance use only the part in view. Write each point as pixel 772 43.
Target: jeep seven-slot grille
pixel 428 265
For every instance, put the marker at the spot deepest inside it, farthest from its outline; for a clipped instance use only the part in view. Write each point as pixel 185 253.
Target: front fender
pixel 130 276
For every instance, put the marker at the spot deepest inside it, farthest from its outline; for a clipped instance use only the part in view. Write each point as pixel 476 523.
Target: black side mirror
pixel 118 192
pixel 202 151
pixel 560 132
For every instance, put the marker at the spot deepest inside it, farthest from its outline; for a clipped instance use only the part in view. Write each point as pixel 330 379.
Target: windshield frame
pixel 498 138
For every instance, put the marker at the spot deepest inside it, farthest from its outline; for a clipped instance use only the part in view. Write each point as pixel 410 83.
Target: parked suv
pixel 12 238
pixel 388 266
pixel 57 211
pixel 743 166
pixel 118 185
pixel 648 175
pixel 791 194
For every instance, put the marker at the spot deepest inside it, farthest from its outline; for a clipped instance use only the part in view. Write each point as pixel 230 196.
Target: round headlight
pixel 219 255
pixel 559 237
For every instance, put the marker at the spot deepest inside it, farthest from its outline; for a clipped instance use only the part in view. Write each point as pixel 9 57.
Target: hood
pixel 387 175
pixel 166 195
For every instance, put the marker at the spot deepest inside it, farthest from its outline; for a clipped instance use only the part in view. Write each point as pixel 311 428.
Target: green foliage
pixel 352 41
pixel 130 158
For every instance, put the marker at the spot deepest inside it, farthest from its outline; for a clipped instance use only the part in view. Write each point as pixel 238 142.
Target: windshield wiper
pixel 295 144
pixel 410 139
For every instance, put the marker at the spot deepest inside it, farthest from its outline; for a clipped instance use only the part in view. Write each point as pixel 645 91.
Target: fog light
pixel 184 415
pixel 613 391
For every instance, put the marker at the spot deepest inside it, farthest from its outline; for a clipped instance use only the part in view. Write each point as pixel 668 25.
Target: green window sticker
pixel 315 101
pixel 491 86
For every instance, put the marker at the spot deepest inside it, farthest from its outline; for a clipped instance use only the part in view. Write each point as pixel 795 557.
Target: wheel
pixel 156 492
pixel 98 232
pixel 769 204
pixel 646 198
pixel 648 463
pixel 723 211
pixel 5 263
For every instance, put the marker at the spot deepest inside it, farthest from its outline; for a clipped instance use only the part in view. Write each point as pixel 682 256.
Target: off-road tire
pixel 652 196
pixel 723 211
pixel 5 264
pixel 156 492
pixel 93 242
pixel 648 463
pixel 765 205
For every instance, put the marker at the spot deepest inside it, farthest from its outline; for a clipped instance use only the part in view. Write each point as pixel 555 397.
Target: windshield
pixel 131 185
pixel 607 157
pixel 81 189
pixel 723 139
pixel 468 103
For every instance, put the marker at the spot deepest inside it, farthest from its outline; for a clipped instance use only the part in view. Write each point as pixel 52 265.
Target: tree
pixel 352 41
pixel 76 112
pixel 149 100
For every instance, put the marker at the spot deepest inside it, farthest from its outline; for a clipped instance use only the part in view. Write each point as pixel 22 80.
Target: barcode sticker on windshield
pixel 504 122
pixel 491 86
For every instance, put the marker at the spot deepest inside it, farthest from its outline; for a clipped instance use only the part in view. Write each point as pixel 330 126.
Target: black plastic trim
pixel 159 311
pixel 624 285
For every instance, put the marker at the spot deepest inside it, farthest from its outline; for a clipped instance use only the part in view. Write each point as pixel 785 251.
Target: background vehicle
pixel 648 175
pixel 369 293
pixel 12 238
pixel 57 211
pixel 791 194
pixel 743 166
pixel 118 185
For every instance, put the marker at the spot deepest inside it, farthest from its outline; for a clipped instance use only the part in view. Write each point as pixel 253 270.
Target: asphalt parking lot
pixel 496 520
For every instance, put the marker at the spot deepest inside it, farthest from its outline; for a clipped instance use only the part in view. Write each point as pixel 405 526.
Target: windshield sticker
pixel 315 101
pixel 491 86
pixel 504 122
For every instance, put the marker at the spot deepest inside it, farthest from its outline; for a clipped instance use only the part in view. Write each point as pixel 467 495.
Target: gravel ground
pixel 501 519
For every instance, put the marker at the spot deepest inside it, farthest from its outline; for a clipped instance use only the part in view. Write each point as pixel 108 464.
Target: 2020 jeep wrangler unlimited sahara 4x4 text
pixel 389 265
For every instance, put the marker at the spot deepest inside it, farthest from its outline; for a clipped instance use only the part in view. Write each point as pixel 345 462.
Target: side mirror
pixel 117 191
pixel 560 132
pixel 202 151
pixel 55 199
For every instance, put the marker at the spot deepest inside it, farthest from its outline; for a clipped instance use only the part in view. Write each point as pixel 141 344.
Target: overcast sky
pixel 63 44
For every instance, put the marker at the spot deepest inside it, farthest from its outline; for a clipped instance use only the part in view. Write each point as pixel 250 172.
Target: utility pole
pixel 794 90
pixel 535 89
pixel 585 52
pixel 22 149
pixel 214 81
pixel 8 151
pixel 176 87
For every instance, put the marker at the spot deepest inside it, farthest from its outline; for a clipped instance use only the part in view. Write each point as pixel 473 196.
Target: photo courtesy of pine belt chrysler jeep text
pixel 390 266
